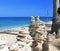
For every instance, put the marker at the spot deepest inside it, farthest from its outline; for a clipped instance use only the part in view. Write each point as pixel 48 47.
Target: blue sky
pixel 25 8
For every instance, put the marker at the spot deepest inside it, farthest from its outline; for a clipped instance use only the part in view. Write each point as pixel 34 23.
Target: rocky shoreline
pixel 30 38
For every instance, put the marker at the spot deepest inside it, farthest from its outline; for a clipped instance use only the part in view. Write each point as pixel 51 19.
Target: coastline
pixel 11 22
pixel 10 34
pixel 13 27
pixel 47 24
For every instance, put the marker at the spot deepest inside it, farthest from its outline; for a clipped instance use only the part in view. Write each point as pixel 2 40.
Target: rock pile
pixel 24 40
pixel 39 34
pixel 35 39
pixel 32 27
pixel 24 36
pixel 37 29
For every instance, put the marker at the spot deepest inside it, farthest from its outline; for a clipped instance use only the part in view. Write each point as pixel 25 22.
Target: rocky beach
pixel 35 37
pixel 29 25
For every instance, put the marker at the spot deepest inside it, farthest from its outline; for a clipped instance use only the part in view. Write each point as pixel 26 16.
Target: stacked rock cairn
pixel 37 29
pixel 38 32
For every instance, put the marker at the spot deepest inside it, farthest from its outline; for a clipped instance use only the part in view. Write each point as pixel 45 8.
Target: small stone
pixel 38 19
pixel 45 46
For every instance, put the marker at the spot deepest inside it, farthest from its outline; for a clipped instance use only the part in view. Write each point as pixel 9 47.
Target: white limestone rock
pixel 3 46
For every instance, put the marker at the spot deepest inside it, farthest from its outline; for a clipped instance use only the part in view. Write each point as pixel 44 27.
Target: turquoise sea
pixel 9 22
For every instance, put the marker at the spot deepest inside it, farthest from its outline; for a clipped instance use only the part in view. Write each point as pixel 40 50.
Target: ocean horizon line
pixel 35 16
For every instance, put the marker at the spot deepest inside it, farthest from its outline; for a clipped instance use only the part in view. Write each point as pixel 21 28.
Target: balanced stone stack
pixel 32 27
pixel 32 20
pixel 37 29
pixel 40 30
pixel 23 36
